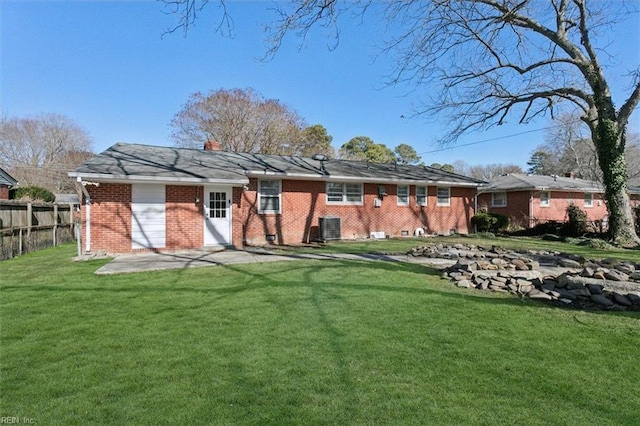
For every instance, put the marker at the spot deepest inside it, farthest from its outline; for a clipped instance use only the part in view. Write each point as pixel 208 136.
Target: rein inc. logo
pixel 16 420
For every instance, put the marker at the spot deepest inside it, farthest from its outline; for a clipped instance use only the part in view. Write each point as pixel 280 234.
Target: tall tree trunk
pixel 610 143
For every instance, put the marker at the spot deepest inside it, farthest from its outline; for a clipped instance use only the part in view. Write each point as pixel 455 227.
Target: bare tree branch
pixel 188 12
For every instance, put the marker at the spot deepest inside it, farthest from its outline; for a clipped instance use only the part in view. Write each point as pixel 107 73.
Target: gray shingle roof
pixel 67 199
pixel 522 182
pixel 153 163
pixel 7 179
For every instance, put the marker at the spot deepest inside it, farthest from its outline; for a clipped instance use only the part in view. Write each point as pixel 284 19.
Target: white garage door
pixel 148 216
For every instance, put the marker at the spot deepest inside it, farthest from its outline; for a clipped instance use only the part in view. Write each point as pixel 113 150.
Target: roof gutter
pixel 155 179
pixel 359 179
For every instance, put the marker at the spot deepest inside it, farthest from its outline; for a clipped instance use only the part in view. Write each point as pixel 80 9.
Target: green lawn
pixel 403 245
pixel 302 342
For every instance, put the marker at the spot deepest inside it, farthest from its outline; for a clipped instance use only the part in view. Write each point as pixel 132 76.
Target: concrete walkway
pixel 198 258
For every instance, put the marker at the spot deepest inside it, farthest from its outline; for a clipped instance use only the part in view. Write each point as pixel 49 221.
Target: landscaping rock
pixel 566 294
pixel 568 263
pixel 634 298
pixel 537 294
pixel 464 283
pixel 580 292
pixel 608 284
pixel 615 275
pixel 621 300
pixel 625 268
pixel 587 272
pixel 520 265
pixel 595 288
pixel 601 300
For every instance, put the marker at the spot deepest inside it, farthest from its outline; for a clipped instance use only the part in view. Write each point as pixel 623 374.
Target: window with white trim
pixel 444 196
pixel 588 199
pixel 498 199
pixel 421 195
pixel 403 195
pixel 344 193
pixel 269 196
pixel 544 199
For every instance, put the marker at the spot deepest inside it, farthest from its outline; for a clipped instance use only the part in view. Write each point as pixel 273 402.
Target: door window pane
pixel 218 205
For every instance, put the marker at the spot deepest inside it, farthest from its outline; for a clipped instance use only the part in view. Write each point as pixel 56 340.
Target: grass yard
pixel 403 245
pixel 301 342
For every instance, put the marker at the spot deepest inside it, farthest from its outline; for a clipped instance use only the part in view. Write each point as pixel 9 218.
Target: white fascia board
pixel 482 190
pixel 154 179
pixel 333 178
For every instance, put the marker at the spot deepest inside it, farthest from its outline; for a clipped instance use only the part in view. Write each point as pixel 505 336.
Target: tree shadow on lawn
pixel 258 280
pixel 255 280
pixel 250 386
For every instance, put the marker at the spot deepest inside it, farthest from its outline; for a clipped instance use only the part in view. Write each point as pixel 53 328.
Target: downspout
pixel 87 198
pixel 475 208
pixel 531 219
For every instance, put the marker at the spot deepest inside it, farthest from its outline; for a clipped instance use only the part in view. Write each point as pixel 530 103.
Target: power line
pixel 487 140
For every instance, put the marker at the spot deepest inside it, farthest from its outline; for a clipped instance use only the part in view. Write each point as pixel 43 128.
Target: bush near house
pixel 33 193
pixel 576 225
pixel 490 222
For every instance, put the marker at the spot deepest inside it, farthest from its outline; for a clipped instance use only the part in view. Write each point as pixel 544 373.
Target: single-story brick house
pixel 531 199
pixel 139 197
pixel 634 196
pixel 6 183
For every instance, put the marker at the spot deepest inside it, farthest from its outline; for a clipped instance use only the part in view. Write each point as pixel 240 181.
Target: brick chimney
pixel 212 145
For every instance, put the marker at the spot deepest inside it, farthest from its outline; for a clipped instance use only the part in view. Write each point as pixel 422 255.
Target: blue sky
pixel 107 67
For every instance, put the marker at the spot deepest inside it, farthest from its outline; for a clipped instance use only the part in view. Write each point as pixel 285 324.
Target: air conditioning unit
pixel 329 228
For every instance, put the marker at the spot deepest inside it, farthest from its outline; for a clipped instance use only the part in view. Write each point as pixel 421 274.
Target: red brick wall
pixel 4 192
pixel 517 208
pixel 304 202
pixel 236 217
pixel 184 221
pixel 519 203
pixel 558 203
pixel 110 217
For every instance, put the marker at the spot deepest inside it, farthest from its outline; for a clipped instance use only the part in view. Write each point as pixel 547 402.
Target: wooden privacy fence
pixel 26 227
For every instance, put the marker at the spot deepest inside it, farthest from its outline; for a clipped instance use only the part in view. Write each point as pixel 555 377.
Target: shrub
pixel 501 223
pixel 481 235
pixel 551 237
pixel 482 221
pixel 577 223
pixel 489 222
pixel 33 193
pixel 596 243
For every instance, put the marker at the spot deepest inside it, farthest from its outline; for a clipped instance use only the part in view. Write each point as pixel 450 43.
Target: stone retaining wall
pixel 558 278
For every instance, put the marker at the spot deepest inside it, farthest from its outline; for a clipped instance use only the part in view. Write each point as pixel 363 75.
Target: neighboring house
pixel 71 199
pixel 138 197
pixel 634 196
pixel 6 183
pixel 531 199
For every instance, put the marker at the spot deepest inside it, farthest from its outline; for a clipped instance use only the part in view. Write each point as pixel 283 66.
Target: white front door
pixel 217 216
